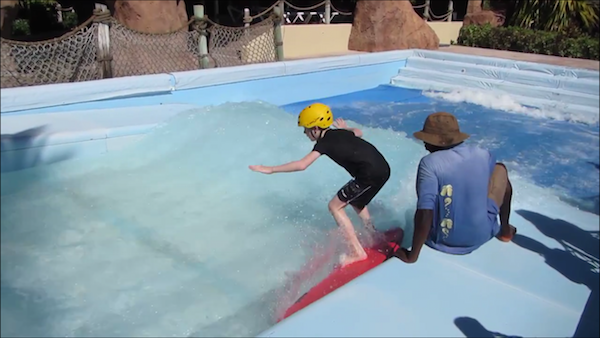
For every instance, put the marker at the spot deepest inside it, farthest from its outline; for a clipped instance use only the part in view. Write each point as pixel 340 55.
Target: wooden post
pixel 103 56
pixel 426 10
pixel 202 42
pixel 282 9
pixel 450 10
pixel 278 34
pixel 247 21
pixel 327 12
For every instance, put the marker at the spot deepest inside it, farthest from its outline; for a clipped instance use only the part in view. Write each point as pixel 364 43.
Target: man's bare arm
pixel 423 221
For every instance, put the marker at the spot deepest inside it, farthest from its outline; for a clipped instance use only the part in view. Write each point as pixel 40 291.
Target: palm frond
pixel 555 15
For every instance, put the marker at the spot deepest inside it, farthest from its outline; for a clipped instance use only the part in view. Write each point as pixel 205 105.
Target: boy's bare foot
pixel 507 236
pixel 346 260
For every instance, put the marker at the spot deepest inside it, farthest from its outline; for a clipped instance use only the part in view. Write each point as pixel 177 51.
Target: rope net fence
pixel 77 56
pixel 70 58
pixel 233 46
pixel 137 53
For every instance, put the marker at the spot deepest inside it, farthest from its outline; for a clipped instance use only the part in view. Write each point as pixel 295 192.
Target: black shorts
pixel 359 194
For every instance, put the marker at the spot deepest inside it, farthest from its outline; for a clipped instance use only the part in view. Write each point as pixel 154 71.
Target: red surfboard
pixel 340 276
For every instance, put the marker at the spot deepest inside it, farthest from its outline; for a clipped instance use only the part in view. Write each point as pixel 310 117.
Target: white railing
pixel 305 14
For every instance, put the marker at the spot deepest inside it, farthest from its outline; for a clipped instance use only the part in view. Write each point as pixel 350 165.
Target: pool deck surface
pixel 518 56
pixel 549 59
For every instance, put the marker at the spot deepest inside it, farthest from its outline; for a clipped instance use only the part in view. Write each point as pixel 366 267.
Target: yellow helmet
pixel 315 115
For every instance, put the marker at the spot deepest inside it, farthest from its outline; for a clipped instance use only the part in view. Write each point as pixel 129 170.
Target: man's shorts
pixel 360 194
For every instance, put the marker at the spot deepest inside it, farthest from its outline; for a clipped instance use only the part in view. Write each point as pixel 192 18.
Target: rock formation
pixel 476 15
pixel 483 17
pixel 474 6
pixel 389 25
pixel 151 16
pixel 136 53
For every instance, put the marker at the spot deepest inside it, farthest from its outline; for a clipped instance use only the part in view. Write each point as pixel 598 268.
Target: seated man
pixel 460 190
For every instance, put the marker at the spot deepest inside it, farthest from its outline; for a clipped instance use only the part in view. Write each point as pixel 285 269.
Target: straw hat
pixel 441 129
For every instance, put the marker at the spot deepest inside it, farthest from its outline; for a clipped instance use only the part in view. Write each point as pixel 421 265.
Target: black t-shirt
pixel 360 158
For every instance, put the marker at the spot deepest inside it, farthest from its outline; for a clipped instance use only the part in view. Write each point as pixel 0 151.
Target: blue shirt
pixel 454 184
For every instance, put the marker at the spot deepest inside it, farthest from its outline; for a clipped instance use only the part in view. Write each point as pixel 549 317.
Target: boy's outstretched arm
pixel 288 167
pixel 341 124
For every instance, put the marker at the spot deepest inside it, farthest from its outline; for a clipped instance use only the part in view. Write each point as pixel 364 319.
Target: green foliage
pixel 525 40
pixel 41 15
pixel 486 5
pixel 70 19
pixel 43 3
pixel 553 15
pixel 20 27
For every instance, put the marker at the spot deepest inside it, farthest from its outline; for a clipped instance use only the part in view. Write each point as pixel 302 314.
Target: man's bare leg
pixel 500 190
pixel 336 207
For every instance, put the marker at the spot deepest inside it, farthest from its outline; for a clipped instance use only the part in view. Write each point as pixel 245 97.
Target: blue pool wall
pixel 49 123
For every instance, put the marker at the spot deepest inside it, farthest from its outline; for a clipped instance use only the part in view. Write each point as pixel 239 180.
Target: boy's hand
pixel 261 169
pixel 340 123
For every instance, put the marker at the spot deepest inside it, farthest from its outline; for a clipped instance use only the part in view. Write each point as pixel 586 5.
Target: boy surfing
pixel 345 146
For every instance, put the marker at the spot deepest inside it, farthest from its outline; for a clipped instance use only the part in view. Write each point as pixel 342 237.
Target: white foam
pixel 505 102
pixel 176 236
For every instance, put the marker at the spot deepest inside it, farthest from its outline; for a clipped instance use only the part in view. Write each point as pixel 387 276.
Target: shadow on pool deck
pixel 472 328
pixel 578 262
